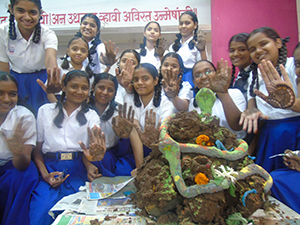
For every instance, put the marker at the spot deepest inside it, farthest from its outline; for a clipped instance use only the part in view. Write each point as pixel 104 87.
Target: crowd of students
pixel 63 125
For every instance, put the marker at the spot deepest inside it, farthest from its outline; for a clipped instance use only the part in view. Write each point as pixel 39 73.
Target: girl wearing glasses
pixel 229 103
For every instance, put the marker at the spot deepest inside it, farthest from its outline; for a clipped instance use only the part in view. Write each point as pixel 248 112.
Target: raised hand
pixel 151 132
pixel 122 124
pixel 281 94
pixel 97 148
pixel 160 49
pixel 16 142
pixel 221 81
pixel 109 58
pixel 125 76
pixel 201 40
pixel 171 84
pixel 55 179
pixel 54 83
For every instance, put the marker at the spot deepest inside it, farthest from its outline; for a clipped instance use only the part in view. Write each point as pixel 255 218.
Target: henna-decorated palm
pixel 281 93
pixel 109 58
pixel 150 136
pixel 160 49
pixel 201 40
pixel 54 84
pixel 97 147
pixel 124 77
pixel 16 142
pixel 121 124
pixel 221 81
pixel 171 83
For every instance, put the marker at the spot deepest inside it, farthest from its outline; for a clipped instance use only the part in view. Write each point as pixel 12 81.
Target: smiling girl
pixel 27 49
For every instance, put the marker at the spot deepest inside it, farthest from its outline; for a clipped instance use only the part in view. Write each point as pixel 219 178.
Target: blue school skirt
pixel 275 137
pixel 15 192
pixel 45 197
pixel 286 187
pixel 29 90
pixel 188 76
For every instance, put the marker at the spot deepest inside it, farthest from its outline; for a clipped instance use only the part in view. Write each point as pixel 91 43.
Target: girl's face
pixel 26 14
pixel 262 47
pixel 129 56
pixel 104 91
pixel 168 64
pixel 77 90
pixel 8 96
pixel 187 26
pixel 239 54
pixel 143 82
pixel 89 29
pixel 78 51
pixel 152 32
pixel 201 73
pixel 297 61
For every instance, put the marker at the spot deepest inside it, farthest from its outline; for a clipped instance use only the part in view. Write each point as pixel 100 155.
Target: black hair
pixel 12 28
pixel 157 89
pixel 242 38
pixel 112 106
pixel 134 52
pixel 196 89
pixel 176 46
pixel 180 62
pixel 96 40
pixel 65 63
pixel 142 46
pixel 282 54
pixel 84 106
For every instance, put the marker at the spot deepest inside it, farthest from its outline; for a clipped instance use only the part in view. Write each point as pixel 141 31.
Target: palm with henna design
pixel 160 49
pixel 171 83
pixel 151 132
pixel 281 94
pixel 221 81
pixel 125 76
pixel 54 83
pixel 97 147
pixel 121 124
pixel 201 40
pixel 109 58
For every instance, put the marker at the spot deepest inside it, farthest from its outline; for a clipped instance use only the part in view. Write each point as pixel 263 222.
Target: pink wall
pixel 229 17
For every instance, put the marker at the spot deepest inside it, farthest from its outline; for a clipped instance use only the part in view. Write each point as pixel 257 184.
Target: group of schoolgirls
pixel 91 109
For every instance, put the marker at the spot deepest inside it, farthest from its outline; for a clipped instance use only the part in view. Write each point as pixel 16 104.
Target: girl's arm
pixel 50 59
pixel 137 145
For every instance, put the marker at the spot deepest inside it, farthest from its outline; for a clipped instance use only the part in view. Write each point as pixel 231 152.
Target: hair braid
pixel 12 27
pixel 176 46
pixel 110 112
pixel 37 33
pixel 282 55
pixel 143 47
pixel 80 116
pixel 192 42
pixel 95 43
pixel 157 93
pixel 65 63
pixel 60 116
pixel 254 78
pixel 232 76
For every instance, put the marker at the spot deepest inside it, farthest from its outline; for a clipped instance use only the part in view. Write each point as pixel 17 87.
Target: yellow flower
pixel 203 140
pixel 201 179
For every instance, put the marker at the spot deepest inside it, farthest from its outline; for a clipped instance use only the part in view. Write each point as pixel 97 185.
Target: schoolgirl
pixel 190 44
pixel 280 124
pixel 178 92
pixel 58 156
pixel 229 103
pixel 18 174
pixel 103 55
pixel 240 58
pixel 151 51
pixel 129 59
pixel 27 49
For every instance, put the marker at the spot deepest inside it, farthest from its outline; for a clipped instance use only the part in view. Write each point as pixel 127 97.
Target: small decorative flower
pixel 204 140
pixel 201 179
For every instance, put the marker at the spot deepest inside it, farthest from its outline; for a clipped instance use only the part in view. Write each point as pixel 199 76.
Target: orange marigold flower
pixel 201 179
pixel 202 139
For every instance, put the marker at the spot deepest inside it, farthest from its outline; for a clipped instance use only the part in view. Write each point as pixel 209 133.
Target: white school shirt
pixel 98 67
pixel 164 110
pixel 63 139
pixel 111 139
pixel 8 128
pixel 184 93
pixel 189 57
pixel 120 96
pixel 263 106
pixel 218 111
pixel 150 57
pixel 25 56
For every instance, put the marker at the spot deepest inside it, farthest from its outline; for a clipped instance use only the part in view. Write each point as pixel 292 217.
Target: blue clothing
pixel 45 197
pixel 29 90
pixel 15 192
pixel 275 137
pixel 188 76
pixel 286 187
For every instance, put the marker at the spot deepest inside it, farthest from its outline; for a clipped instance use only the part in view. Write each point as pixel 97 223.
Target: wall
pixel 234 16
